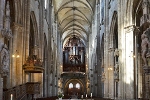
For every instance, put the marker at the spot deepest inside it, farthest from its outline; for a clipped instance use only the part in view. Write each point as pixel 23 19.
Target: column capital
pixel 16 26
pixel 116 52
pixel 111 49
pixel 131 28
pixel 21 28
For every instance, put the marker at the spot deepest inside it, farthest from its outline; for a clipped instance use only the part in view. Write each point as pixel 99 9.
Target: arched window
pixel 78 85
pixel 70 85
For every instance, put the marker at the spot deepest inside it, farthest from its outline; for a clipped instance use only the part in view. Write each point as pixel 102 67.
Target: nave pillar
pixel 1 88
pixel 106 50
pixel 5 35
pixel 110 73
pixel 128 63
pixel 15 60
pixel 50 66
pixel 2 7
pixel 54 67
pixel 87 69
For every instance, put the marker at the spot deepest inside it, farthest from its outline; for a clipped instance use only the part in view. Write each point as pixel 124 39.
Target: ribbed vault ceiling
pixel 74 17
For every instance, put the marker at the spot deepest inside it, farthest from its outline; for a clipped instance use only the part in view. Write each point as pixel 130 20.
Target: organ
pixel 74 55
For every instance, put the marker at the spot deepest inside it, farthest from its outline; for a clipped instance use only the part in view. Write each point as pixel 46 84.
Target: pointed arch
pixel 113 37
pixel 35 28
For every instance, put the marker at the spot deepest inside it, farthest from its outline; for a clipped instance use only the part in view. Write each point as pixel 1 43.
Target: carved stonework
pixel 1 89
pixel 145 45
pixel 103 77
pixel 116 53
pixel 4 69
pixel 33 64
pixel 146 69
pixel 144 20
pixel 145 4
pixel 116 72
pixel 6 32
pixel 33 87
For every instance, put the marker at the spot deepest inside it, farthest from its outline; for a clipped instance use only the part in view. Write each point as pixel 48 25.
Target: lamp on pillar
pixel 109 70
pixel 15 56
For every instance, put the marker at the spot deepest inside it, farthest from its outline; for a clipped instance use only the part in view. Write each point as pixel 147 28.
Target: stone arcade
pixel 76 48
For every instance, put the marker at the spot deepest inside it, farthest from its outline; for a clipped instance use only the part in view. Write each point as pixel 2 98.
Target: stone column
pixel 129 62
pixel 108 74
pixel 99 55
pixel 50 62
pixel 1 88
pixel 14 48
pixel 26 36
pixel 140 76
pixel 121 45
pixel 111 73
pixel 27 28
pixel 19 61
pixel 95 76
pixel 106 47
pixel 50 84
pixel 87 67
pixel 54 71
pixel 45 82
pixel 136 57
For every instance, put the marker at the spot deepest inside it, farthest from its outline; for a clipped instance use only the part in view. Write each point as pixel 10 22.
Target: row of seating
pixel 68 97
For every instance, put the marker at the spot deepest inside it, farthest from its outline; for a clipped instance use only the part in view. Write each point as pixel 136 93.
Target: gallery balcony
pixel 73 75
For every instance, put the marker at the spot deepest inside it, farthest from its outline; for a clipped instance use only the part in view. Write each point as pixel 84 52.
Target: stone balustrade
pixel 21 91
